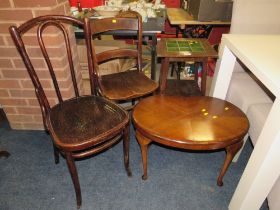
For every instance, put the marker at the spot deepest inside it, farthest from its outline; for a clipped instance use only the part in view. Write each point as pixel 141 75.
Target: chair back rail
pixel 117 53
pixel 42 23
pixel 130 21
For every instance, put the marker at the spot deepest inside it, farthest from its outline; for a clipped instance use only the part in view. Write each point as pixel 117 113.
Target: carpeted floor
pixel 29 179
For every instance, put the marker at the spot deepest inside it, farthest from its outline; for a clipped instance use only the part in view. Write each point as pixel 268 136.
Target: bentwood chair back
pixel 79 126
pixel 121 86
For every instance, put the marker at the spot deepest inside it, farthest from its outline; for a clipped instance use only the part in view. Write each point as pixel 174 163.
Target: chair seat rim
pixel 91 141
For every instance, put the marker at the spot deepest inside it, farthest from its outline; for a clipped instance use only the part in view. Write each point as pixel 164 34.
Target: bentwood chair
pixel 79 126
pixel 121 86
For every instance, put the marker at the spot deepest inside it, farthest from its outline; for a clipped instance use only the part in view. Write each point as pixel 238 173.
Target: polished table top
pixel 190 122
pixel 195 123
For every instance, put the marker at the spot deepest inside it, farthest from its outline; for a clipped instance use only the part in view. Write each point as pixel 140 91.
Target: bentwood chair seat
pixel 82 125
pixel 129 85
pixel 126 85
pixel 92 119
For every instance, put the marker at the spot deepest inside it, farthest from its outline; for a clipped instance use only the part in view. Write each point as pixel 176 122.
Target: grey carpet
pixel 29 179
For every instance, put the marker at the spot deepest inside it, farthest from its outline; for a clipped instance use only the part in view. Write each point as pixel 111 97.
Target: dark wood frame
pixel 126 21
pixel 91 144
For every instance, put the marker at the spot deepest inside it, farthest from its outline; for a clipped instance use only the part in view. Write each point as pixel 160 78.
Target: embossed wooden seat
pixel 79 126
pixel 124 85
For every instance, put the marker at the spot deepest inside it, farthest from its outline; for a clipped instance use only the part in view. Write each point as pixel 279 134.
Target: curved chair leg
pixel 74 175
pixel 231 152
pixel 126 141
pixel 4 154
pixel 144 143
pixel 56 154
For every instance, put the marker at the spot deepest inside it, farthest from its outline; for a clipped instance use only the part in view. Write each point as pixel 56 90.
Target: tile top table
pixel 181 49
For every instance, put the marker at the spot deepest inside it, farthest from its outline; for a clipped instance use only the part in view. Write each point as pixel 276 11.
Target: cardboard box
pixel 113 66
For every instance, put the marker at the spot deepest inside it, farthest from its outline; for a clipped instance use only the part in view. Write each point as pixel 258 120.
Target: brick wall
pixel 17 95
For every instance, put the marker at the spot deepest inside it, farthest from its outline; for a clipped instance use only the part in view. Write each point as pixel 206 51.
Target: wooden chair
pixel 80 126
pixel 122 86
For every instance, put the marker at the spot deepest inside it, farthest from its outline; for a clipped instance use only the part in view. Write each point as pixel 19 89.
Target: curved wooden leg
pixel 74 175
pixel 56 154
pixel 4 153
pixel 126 141
pixel 231 152
pixel 144 143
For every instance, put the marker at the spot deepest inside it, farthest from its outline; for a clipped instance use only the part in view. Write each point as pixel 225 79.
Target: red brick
pixel 53 40
pixel 34 52
pixel 15 74
pixel 59 10
pixel 2 42
pixel 8 40
pixel 19 118
pixel 50 30
pixel 8 52
pixel 16 126
pixel 33 126
pixel 4 27
pixel 50 94
pixel 28 83
pixel 65 84
pixel 44 74
pixel 60 73
pixel 67 9
pixel 12 102
pixel 4 93
pixel 5 63
pixel 54 52
pixel 9 84
pixel 34 3
pixel 10 110
pixel 36 62
pixel 22 93
pixel 38 118
pixel 21 15
pixel 61 1
pixel 60 63
pixel 34 102
pixel 5 3
pixel 29 110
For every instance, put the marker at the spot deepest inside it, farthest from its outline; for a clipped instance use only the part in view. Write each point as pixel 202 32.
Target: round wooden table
pixel 194 123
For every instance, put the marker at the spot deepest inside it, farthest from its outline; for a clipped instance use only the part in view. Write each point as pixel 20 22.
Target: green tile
pixel 185 49
pixel 197 49
pixel 171 44
pixel 173 49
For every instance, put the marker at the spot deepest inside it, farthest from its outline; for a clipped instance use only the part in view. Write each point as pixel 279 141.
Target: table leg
pixel 204 76
pixel 4 154
pixel 144 143
pixel 126 150
pixel 163 74
pixel 231 152
pixel 153 57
